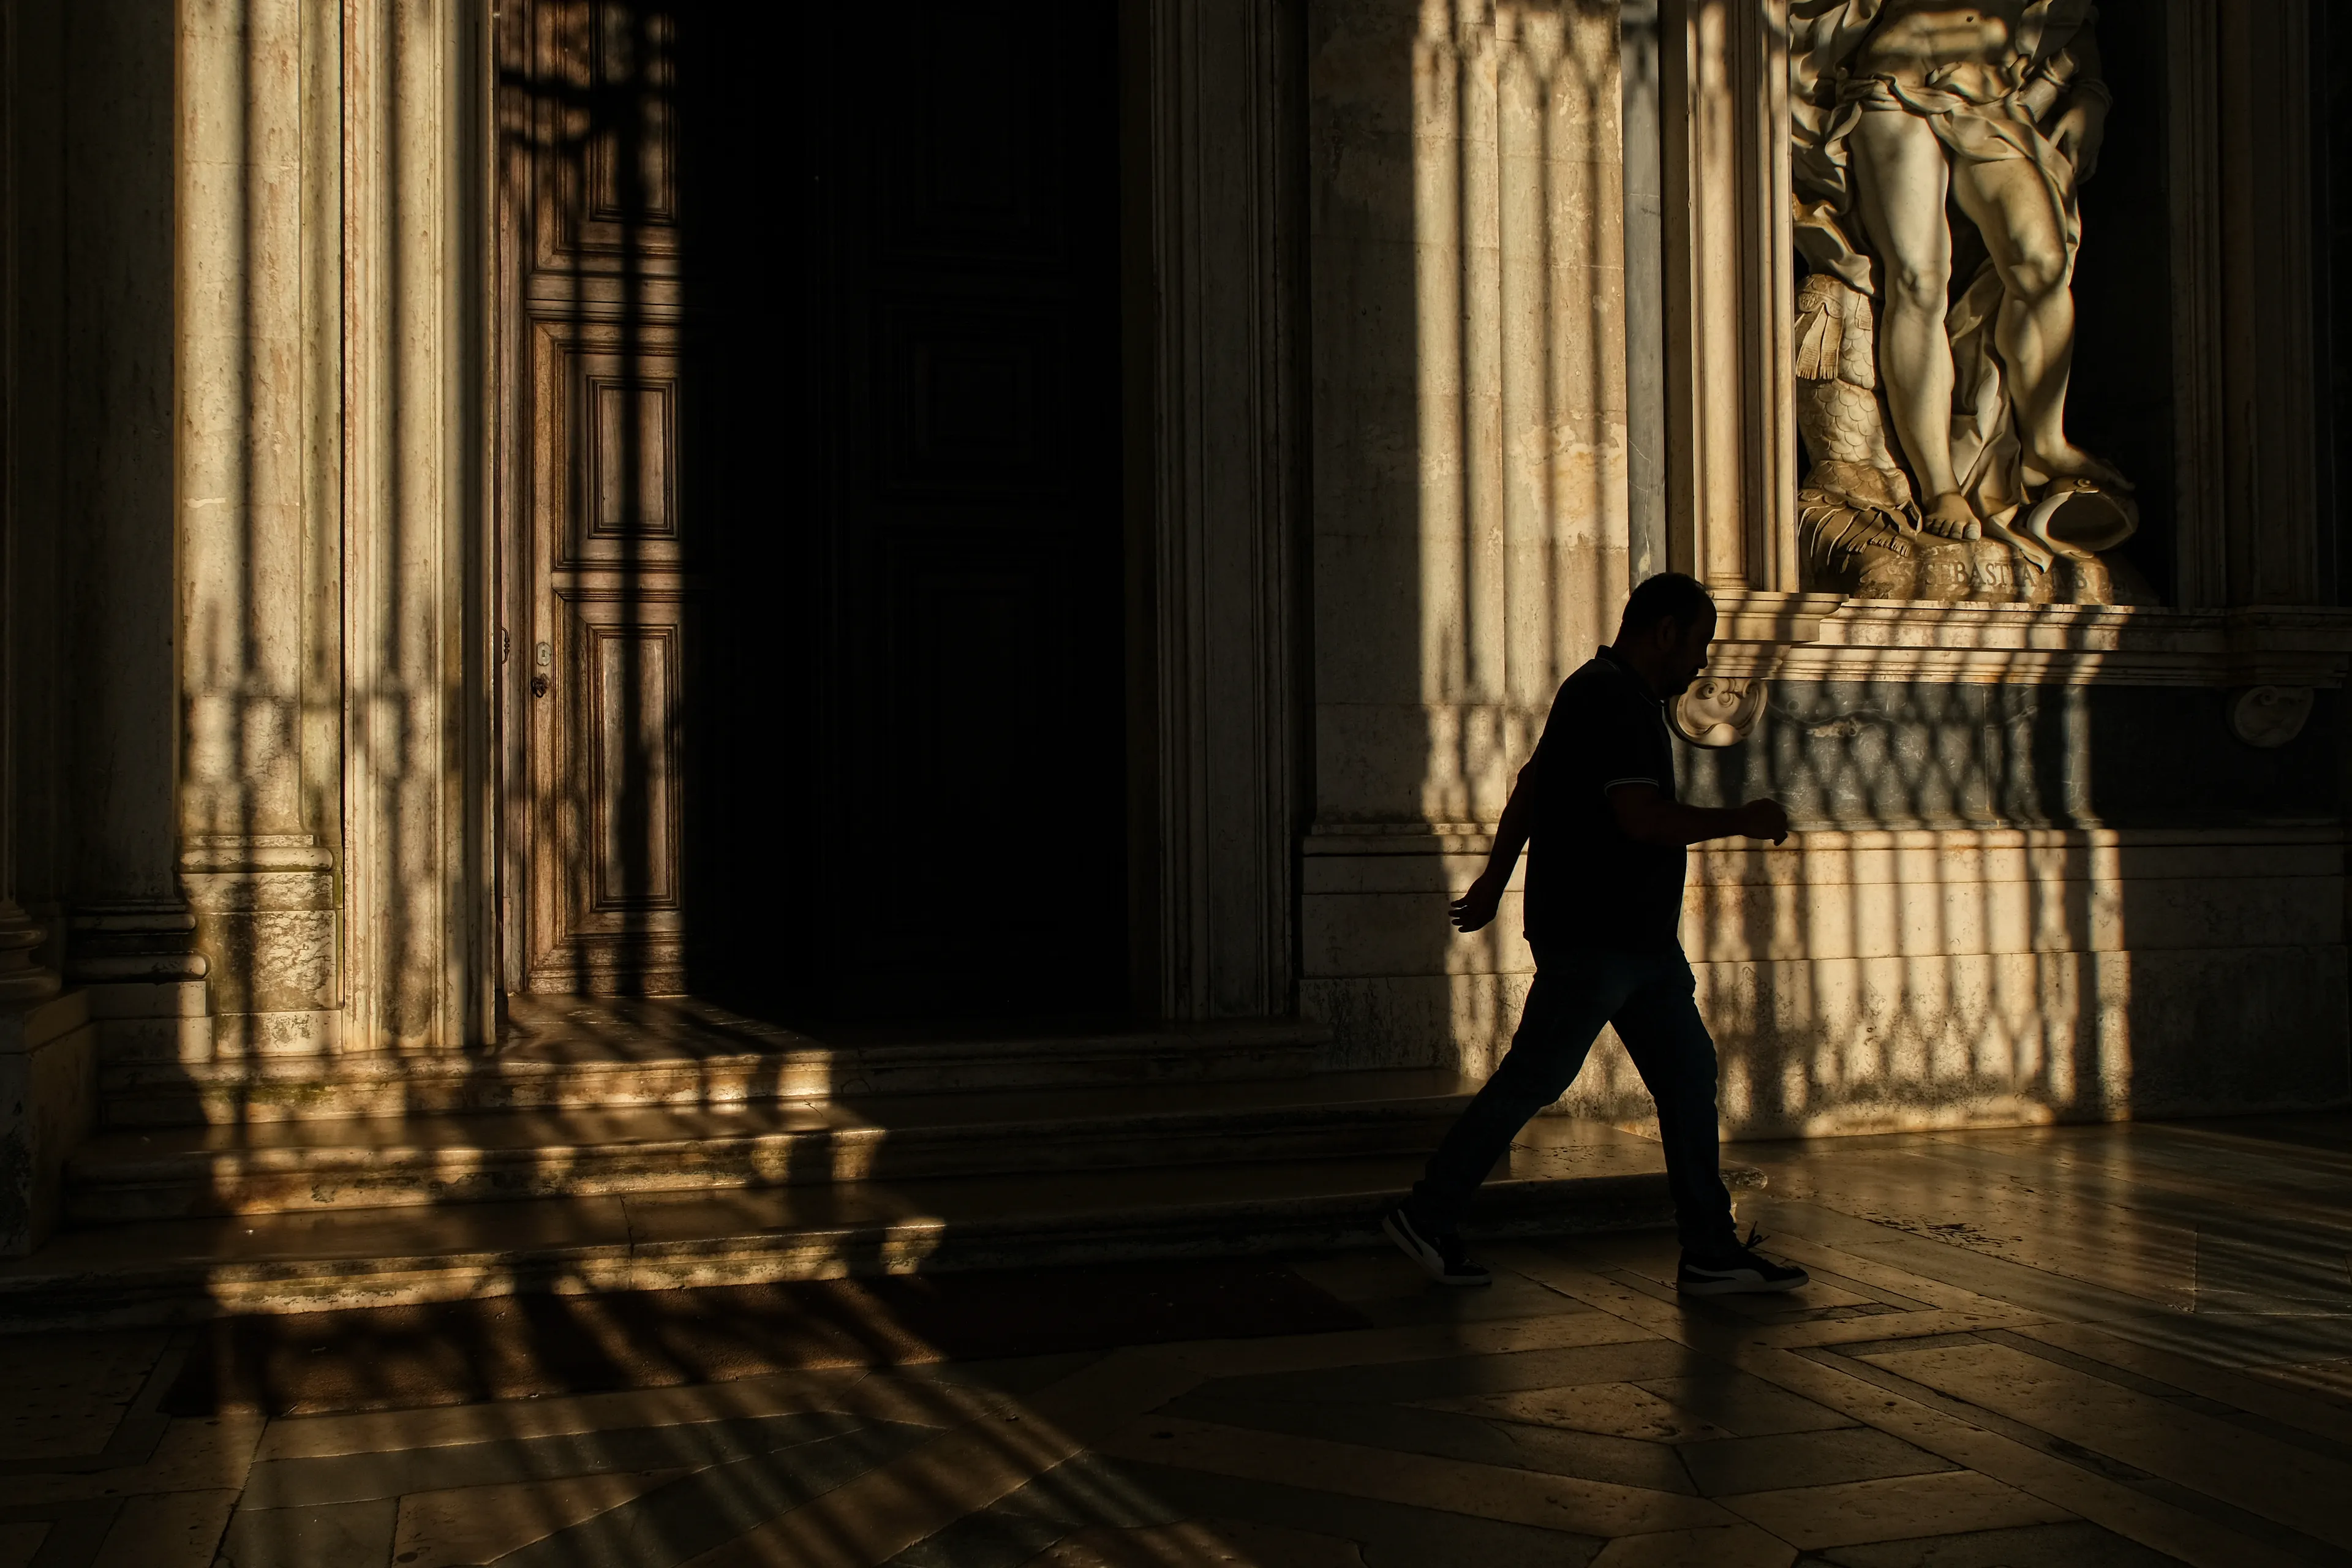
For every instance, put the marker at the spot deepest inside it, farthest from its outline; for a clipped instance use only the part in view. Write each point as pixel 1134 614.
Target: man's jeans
pixel 1648 995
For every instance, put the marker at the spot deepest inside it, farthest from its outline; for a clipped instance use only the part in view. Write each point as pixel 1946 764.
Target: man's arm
pixel 1477 908
pixel 1645 815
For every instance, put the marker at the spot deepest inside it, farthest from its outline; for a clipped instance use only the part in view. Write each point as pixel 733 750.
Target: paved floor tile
pixel 1729 1546
pixel 339 1535
pixel 192 1454
pixel 351 1478
pixel 2036 1347
pixel 1743 1405
pixel 1624 1460
pixel 1085 1493
pixel 1446 1434
pixel 1196 1545
pixel 2076 1545
pixel 706 1508
pixel 467 1525
pixel 21 1541
pixel 1549 1503
pixel 377 1432
pixel 1611 1409
pixel 1454 1377
pixel 66 1393
pixel 1803 1459
pixel 1898 1510
pixel 1367 1281
pixel 69 1532
pixel 1389 1533
pixel 2225 1461
pixel 167 1529
pixel 2328 1377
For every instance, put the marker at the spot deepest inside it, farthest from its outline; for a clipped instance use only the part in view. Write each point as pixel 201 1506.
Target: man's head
pixel 1668 622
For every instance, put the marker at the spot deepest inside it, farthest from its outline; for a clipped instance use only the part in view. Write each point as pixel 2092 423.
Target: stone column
pixel 258 879
pixel 47 1057
pixel 1731 420
pixel 130 931
pixel 1225 472
pixel 1470 519
pixel 415 560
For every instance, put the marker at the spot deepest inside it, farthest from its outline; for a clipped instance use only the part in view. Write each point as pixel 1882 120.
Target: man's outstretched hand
pixel 1764 820
pixel 1476 909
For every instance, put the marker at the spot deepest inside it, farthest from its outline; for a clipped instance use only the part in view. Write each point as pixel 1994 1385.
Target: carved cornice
pixel 1818 636
pixel 1478 838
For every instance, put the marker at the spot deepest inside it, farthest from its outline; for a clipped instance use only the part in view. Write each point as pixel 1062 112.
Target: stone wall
pixel 2024 890
pixel 1469 446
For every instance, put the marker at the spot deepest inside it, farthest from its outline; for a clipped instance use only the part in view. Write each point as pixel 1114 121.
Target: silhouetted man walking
pixel 1596 808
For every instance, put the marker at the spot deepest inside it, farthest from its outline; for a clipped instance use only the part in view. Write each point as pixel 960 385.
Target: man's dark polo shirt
pixel 1588 886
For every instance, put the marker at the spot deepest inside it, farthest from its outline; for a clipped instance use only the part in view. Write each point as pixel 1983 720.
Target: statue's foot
pixel 1951 517
pixel 2040 469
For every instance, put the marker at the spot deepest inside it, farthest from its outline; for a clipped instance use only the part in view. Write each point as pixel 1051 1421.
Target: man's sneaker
pixel 1735 1272
pixel 1440 1257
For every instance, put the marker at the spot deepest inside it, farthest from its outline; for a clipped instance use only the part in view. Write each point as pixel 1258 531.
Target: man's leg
pixel 1668 1041
pixel 1572 996
pixel 1671 1048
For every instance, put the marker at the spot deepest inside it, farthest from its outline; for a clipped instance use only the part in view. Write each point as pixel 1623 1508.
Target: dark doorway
pixel 821 518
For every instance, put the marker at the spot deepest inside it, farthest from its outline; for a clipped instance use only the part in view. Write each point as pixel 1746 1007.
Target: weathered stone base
pixel 159 1022
pixel 1863 983
pixel 266 925
pixel 48 1102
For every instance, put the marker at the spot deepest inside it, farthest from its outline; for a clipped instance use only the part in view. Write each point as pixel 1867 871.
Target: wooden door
pixel 825 531
pixel 603 551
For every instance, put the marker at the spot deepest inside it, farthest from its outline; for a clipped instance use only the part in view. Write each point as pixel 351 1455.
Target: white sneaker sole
pixel 1430 1262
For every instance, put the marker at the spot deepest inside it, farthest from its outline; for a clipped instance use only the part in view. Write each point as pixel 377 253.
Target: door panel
pixel 631 729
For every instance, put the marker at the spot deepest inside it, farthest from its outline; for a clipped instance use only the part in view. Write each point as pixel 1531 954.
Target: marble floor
pixel 2055 1348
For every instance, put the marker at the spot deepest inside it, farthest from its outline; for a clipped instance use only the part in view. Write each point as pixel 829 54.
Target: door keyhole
pixel 545 660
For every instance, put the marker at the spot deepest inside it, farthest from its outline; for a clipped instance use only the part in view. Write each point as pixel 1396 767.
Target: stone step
pixel 1567 1177
pixel 274 1167
pixel 683 1055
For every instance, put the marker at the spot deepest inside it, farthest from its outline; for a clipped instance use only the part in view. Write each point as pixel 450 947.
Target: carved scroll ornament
pixel 2270 716
pixel 1718 712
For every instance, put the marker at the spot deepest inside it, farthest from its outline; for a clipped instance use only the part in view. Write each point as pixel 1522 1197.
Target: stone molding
pixel 1478 838
pixel 149 943
pixel 1813 636
pixel 22 978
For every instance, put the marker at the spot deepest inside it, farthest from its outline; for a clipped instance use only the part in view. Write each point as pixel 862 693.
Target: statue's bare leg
pixel 2013 206
pixel 1900 180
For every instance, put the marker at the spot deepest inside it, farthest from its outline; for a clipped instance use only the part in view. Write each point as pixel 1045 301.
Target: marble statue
pixel 1935 419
